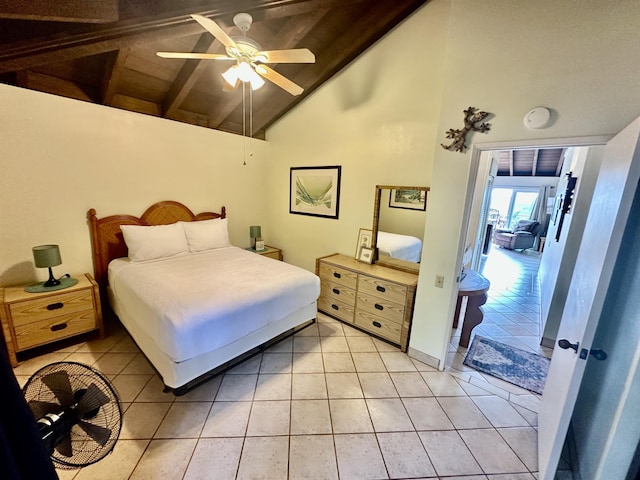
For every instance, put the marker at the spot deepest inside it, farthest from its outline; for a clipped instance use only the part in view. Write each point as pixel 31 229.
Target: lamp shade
pixel 46 256
pixel 255 231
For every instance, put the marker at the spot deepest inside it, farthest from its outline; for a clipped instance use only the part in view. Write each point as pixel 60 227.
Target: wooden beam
pixel 136 105
pixel 189 75
pixel 56 86
pixel 534 167
pixel 81 11
pixel 112 73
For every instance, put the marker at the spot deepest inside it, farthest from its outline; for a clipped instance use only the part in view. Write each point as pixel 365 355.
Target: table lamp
pixel 255 232
pixel 47 256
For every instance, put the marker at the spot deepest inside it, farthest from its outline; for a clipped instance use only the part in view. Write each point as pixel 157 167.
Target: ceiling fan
pixel 250 58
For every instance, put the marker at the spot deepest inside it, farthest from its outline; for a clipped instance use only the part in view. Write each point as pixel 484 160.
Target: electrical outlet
pixel 439 281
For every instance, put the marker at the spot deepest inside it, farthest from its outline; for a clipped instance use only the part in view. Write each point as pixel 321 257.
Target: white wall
pixel 60 157
pixel 559 257
pixel 377 119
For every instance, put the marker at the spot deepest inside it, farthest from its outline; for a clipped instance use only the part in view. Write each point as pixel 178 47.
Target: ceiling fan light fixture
pixel 231 76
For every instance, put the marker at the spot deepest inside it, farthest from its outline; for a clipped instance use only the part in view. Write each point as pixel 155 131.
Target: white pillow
pixel 206 234
pixel 151 242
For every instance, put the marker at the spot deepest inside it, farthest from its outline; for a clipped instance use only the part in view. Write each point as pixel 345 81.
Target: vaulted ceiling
pixel 104 52
pixel 531 162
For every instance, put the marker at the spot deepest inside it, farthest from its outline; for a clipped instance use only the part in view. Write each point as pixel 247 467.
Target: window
pixel 511 204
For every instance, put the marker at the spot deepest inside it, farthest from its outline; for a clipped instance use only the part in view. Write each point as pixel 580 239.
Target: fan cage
pixel 86 450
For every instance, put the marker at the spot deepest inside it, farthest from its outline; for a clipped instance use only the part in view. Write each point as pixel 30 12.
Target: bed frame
pixel 108 244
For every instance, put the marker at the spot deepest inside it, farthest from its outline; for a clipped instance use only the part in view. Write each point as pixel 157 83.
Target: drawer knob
pixel 377 324
pixel 59 326
pixel 335 307
pixel 378 306
pixel 381 289
pixel 337 275
pixel 336 291
pixel 55 306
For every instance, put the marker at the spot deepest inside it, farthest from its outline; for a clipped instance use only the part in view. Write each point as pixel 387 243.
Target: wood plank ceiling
pixel 534 162
pixel 103 51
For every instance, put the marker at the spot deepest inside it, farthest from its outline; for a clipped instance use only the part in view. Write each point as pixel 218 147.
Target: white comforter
pixel 404 247
pixel 195 303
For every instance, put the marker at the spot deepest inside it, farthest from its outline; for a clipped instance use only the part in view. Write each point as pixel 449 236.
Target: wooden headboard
pixel 107 242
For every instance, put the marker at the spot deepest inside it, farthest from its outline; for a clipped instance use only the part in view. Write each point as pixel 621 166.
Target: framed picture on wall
pixel 364 240
pixel 315 191
pixel 409 199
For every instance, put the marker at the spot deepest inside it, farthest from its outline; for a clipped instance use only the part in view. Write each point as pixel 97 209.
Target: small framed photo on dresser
pixel 365 255
pixel 364 240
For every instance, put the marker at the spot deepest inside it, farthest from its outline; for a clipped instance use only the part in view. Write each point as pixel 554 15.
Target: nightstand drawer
pixel 381 306
pixel 335 308
pixel 338 275
pixel 48 307
pixel 379 326
pixel 338 292
pixel 45 331
pixel 392 292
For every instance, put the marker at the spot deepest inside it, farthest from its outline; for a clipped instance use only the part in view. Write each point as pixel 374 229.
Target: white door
pixel 611 202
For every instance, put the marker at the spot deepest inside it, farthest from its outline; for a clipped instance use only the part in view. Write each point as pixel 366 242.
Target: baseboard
pixel 423 357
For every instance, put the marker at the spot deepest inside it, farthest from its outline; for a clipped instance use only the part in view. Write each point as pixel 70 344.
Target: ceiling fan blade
pixel 214 29
pixel 197 56
pixel 99 434
pixel 281 81
pixel 58 383
pixel 296 55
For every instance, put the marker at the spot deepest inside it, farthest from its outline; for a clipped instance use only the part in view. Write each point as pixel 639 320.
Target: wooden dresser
pixel 373 298
pixel 33 319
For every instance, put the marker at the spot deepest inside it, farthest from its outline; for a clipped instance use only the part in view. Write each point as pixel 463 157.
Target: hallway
pixel 512 311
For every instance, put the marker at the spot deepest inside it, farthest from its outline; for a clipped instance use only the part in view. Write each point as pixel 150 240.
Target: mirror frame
pixel 396 263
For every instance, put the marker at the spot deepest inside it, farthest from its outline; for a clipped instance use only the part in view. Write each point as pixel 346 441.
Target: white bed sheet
pixel 196 303
pixel 404 247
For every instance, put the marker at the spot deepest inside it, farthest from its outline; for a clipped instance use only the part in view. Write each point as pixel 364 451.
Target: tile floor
pixel 330 402
pixel 512 312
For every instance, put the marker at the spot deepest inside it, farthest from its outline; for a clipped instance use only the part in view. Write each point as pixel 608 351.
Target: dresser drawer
pixel 381 307
pixel 45 331
pixel 336 308
pixel 379 326
pixel 37 309
pixel 338 275
pixel 338 292
pixel 392 292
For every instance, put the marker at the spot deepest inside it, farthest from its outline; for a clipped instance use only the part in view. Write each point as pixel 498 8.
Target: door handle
pixel 566 344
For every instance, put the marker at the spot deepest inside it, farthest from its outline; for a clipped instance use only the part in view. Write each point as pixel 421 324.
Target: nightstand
pixel 270 252
pixel 34 319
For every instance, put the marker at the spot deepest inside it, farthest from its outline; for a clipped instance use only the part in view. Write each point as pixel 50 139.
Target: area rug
pixel 524 369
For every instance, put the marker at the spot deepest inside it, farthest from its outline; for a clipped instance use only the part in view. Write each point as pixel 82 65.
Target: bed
pixel 403 247
pixel 197 312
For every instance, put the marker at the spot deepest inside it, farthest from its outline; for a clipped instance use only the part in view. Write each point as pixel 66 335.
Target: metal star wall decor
pixel 471 117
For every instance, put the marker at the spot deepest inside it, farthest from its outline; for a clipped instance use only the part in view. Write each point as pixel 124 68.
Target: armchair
pixel 523 236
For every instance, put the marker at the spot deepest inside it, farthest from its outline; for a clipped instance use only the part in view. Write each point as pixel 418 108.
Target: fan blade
pixel 281 81
pixel 40 409
pixel 58 383
pixel 64 447
pixel 197 56
pixel 92 399
pixel 214 29
pixel 96 432
pixel 296 55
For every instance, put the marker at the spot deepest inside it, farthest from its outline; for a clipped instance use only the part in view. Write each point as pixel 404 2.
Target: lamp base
pixel 64 282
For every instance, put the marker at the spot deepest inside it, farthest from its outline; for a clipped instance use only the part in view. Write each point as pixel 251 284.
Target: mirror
pixel 399 215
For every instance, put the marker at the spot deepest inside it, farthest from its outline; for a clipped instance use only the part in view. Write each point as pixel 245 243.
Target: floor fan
pixel 77 411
